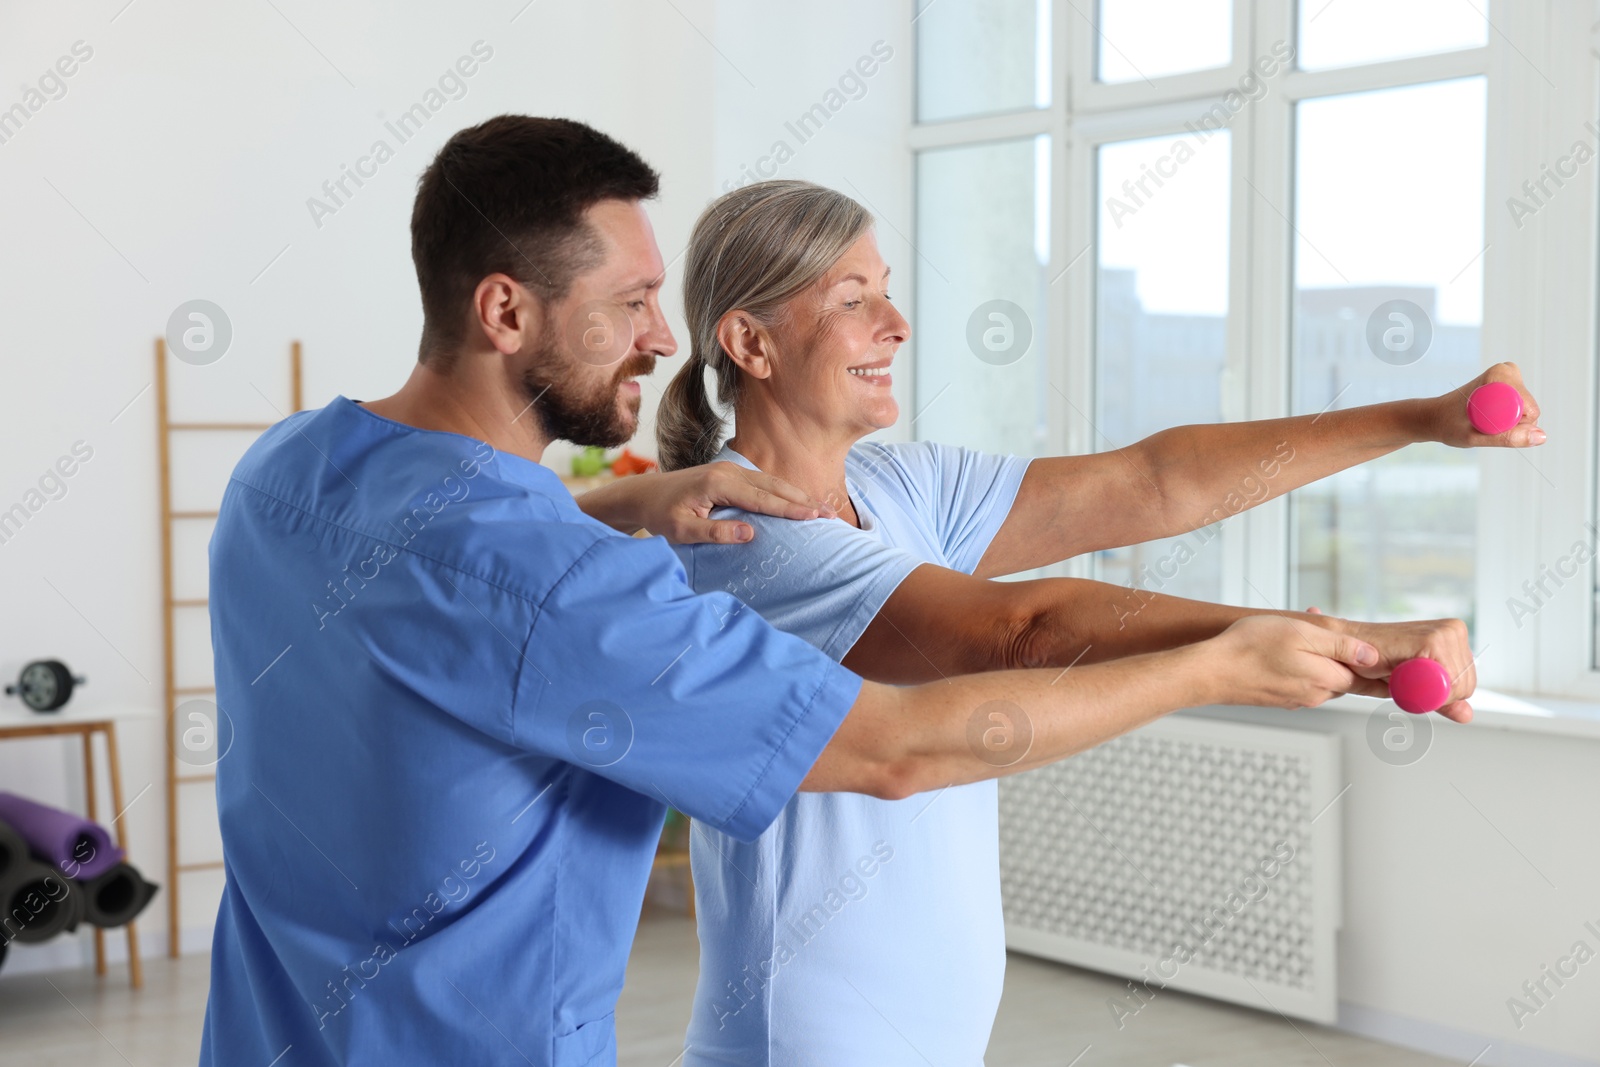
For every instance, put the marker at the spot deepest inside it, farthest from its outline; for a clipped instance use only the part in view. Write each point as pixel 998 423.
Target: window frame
pixel 1540 290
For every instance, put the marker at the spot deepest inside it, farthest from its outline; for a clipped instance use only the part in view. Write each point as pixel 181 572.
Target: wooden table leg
pixel 91 809
pixel 135 966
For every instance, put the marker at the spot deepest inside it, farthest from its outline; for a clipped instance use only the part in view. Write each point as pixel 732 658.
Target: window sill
pixel 1498 711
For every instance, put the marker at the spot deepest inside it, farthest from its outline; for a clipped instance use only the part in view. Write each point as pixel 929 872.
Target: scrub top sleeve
pixel 822 579
pixel 687 699
pixel 967 494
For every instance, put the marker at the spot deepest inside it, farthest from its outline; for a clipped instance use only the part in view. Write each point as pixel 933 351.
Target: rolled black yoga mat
pixel 13 850
pixel 38 903
pixel 115 898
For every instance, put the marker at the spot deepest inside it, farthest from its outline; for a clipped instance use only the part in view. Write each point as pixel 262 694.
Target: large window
pixel 1217 210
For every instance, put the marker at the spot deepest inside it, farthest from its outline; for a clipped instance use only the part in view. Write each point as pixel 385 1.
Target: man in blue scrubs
pixel 457 705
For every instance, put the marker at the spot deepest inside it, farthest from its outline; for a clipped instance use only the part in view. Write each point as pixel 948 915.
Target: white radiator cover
pixel 1149 856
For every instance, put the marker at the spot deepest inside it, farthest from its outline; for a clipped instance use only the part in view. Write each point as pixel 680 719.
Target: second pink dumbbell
pixel 1420 685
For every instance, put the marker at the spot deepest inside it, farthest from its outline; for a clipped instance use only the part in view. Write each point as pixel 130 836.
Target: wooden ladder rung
pixel 191 514
pixel 190 602
pixel 191 690
pixel 183 779
pixel 209 865
pixel 219 425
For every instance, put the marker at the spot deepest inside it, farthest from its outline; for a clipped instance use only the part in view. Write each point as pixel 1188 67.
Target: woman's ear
pixel 747 343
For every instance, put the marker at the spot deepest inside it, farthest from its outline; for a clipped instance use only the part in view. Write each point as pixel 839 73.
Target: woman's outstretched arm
pixel 1179 480
pixel 940 623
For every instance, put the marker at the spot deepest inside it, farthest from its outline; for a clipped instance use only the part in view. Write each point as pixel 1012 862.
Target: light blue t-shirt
pixel 454 709
pixel 855 932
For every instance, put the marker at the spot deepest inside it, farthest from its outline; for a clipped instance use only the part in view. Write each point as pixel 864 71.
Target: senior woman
pixel 866 931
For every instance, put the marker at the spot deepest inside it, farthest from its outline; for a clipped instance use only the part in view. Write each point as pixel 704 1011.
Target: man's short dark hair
pixel 508 196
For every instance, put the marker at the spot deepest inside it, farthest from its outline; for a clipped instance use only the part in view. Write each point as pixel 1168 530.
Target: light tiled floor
pixel 1048 1016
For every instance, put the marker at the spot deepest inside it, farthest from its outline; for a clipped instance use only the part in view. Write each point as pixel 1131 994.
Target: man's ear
pixel 507 313
pixel 747 343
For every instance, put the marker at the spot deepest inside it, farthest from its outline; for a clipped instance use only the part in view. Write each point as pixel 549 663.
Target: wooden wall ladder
pixel 171 604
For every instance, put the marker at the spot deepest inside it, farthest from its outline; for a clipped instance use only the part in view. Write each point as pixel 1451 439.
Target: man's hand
pixel 678 505
pixel 1448 421
pixel 1444 640
pixel 1278 661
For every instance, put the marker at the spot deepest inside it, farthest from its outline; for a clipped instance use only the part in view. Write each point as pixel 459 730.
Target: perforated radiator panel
pixel 1192 854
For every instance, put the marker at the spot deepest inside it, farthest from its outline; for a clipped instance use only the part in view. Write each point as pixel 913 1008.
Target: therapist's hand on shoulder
pixel 678 504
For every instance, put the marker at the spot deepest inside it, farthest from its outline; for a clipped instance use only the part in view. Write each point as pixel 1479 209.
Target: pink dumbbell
pixel 1494 408
pixel 1420 685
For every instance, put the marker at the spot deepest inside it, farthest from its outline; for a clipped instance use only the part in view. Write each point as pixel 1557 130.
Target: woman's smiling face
pixel 834 347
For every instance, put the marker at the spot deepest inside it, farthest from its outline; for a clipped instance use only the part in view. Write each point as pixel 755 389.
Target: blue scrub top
pixel 454 709
pixel 856 932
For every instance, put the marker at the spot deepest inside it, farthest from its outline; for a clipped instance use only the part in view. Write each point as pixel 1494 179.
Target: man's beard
pixel 566 413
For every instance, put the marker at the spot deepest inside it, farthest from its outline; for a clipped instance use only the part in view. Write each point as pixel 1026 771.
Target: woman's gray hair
pixel 754 249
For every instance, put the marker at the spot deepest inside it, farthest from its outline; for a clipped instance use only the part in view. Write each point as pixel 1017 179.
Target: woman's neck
pixel 808 457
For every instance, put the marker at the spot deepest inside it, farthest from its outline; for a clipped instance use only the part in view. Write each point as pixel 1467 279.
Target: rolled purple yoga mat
pixel 13 850
pixel 38 903
pixel 115 898
pixel 77 845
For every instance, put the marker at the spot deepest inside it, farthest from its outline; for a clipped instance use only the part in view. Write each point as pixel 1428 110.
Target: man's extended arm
pixel 899 741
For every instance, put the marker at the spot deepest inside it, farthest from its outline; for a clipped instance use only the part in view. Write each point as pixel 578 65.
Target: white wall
pixel 191 140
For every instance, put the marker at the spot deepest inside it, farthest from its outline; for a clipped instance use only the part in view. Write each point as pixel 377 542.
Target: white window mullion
pixel 978 129
pixel 1265 197
pixel 1534 507
pixel 1074 291
pixel 1391 74
pixel 1512 328
pixel 1509 516
pixel 1236 376
pixel 1069 361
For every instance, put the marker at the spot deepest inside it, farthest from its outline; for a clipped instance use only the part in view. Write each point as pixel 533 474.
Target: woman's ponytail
pixel 688 429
